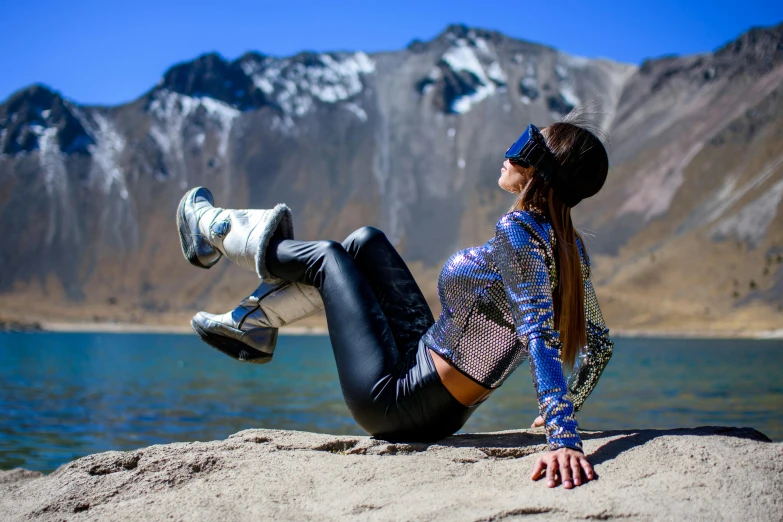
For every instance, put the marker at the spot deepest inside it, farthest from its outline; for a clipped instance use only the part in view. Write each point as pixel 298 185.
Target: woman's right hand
pixel 564 464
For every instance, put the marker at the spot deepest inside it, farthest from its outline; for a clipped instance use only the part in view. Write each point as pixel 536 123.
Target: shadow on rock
pixel 514 444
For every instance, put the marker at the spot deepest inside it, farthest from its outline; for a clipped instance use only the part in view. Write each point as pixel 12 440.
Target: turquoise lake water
pixel 63 396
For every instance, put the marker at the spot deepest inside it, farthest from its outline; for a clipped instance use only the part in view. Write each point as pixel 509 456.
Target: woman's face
pixel 514 177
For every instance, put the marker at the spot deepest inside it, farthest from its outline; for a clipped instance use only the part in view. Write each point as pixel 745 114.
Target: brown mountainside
pixel 685 236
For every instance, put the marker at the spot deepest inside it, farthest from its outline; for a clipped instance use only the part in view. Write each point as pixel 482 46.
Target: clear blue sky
pixel 108 52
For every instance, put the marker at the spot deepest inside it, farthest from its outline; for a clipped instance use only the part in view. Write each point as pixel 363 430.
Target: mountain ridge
pixel 746 37
pixel 457 29
pixel 406 141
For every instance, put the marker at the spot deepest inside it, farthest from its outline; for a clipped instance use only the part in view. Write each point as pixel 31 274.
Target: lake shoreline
pixel 111 327
pixel 124 328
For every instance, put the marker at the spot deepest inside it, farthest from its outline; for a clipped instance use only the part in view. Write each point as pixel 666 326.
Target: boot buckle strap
pixel 220 229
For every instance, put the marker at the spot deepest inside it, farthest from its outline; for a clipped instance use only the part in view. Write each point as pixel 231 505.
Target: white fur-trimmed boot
pixel 249 332
pixel 207 232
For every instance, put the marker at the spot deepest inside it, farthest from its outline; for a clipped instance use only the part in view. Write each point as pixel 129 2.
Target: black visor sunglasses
pixel 530 149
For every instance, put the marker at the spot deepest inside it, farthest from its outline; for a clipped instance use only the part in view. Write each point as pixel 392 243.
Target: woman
pixel 405 376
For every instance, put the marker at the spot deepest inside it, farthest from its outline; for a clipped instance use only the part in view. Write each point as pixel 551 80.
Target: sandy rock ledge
pixel 696 474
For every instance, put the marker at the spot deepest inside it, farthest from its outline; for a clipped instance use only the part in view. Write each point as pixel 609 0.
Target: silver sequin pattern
pixel 497 309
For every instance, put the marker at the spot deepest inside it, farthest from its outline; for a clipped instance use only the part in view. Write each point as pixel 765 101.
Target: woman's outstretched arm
pixel 591 363
pixel 524 261
pixel 524 264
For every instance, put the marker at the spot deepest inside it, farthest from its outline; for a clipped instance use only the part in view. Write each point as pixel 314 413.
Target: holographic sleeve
pixel 524 258
pixel 591 363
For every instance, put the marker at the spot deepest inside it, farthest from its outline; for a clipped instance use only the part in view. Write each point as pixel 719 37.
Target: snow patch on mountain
pixel 465 74
pixel 173 110
pixel 294 84
pixel 357 110
pixel 566 98
pixel 573 61
pixel 55 176
pixel 463 58
pixel 528 86
pixel 50 158
pixel 569 95
pixel 496 74
pixel 224 115
pixel 109 145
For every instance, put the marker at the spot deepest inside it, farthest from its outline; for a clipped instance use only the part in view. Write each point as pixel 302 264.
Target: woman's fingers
pixel 588 468
pixel 539 468
pixel 565 471
pixel 564 466
pixel 551 471
pixel 576 471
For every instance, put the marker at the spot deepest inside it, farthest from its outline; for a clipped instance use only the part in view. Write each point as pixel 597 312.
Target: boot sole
pixel 231 347
pixel 185 234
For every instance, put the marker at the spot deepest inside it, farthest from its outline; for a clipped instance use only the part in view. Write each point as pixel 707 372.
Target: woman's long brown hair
pixel 584 163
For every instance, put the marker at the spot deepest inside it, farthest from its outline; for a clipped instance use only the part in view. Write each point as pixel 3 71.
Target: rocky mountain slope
pixel 689 225
pixel 685 235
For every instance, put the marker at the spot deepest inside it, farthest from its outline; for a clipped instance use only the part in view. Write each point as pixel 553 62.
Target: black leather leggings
pixel 376 316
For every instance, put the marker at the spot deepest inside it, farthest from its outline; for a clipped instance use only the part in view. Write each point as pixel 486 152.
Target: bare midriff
pixel 463 388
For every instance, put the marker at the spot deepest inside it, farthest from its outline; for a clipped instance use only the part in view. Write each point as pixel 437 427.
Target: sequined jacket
pixel 497 309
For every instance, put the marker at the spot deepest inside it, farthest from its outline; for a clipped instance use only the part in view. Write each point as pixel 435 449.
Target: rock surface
pixel 705 473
